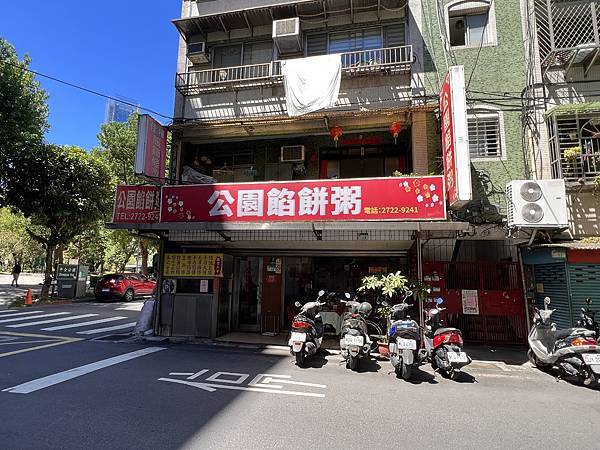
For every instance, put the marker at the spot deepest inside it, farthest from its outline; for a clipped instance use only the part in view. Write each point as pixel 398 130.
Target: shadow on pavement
pixel 515 355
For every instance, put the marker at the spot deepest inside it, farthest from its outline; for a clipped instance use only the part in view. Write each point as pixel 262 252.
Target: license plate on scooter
pixel 353 340
pixel 457 357
pixel 407 344
pixel 298 337
pixel 591 359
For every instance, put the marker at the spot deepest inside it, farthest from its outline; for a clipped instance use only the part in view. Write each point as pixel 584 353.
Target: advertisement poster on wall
pixel 470 302
pixel 455 138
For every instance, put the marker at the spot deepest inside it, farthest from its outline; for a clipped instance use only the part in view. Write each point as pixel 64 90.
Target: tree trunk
pixel 144 257
pixel 48 271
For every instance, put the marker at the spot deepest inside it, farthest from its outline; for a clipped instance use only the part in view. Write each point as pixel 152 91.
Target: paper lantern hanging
pixel 336 133
pixel 395 129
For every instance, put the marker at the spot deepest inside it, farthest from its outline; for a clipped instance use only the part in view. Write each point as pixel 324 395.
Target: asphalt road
pixel 200 396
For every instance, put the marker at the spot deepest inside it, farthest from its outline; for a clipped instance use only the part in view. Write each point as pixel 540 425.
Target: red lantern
pixel 336 133
pixel 395 129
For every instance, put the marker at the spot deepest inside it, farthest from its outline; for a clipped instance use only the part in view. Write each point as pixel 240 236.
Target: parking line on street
pixel 41 322
pixel 14 313
pixel 103 330
pixel 84 324
pixel 36 317
pixel 60 377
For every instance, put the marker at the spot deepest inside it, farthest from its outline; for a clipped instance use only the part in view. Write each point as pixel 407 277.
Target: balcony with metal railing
pixel 382 61
pixel 567 32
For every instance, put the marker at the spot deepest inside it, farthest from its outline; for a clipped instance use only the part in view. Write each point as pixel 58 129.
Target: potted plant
pixel 571 154
pixel 385 287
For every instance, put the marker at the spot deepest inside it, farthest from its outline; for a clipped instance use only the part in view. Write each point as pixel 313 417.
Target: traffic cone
pixel 28 298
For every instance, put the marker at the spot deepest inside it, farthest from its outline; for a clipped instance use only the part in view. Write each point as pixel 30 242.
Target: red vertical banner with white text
pixel 455 143
pixel 151 149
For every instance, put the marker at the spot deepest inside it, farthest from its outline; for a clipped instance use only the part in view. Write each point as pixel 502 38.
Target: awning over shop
pixel 573 109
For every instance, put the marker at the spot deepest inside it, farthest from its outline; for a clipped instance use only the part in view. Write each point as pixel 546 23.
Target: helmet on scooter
pixel 365 309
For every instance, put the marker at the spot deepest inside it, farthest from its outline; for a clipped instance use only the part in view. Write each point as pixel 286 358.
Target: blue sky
pixel 118 47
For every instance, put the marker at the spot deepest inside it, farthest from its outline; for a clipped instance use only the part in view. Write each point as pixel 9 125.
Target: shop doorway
pixel 248 289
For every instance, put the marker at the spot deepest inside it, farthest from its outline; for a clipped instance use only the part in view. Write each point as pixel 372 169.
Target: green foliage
pixel 120 248
pixel 16 243
pixel 117 149
pixel 387 285
pixel 23 113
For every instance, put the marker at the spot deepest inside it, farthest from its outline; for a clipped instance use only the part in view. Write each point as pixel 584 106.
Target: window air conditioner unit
pixel 197 53
pixel 286 34
pixel 292 153
pixel 537 204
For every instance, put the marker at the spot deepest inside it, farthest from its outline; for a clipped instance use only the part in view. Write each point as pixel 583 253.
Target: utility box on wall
pixel 71 280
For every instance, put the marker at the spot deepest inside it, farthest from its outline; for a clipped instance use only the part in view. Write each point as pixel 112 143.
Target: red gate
pixel 499 313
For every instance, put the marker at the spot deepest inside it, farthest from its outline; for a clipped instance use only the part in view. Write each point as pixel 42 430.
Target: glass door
pixel 248 288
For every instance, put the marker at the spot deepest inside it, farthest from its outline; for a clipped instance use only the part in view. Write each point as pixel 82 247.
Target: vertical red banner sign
pixel 151 150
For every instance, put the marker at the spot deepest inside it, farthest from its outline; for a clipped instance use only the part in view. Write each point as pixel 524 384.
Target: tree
pixel 63 191
pixel 16 243
pixel 23 114
pixel 117 148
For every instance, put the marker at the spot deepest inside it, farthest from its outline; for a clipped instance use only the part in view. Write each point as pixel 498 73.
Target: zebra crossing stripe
pixel 41 322
pixel 84 324
pixel 34 317
pixel 17 314
pixel 103 330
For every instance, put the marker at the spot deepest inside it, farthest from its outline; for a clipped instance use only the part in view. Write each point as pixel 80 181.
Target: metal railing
pixel 391 60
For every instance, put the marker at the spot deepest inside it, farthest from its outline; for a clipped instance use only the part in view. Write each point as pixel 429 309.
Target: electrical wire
pixel 82 88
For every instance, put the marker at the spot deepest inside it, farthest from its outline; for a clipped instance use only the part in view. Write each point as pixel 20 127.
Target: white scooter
pixel 573 350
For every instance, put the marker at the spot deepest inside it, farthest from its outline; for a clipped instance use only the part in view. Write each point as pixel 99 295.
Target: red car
pixel 125 286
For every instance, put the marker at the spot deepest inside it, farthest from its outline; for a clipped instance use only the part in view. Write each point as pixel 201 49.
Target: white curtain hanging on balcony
pixel 311 83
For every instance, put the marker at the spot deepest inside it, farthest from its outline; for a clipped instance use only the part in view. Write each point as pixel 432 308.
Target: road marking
pixel 54 341
pixel 18 314
pixel 240 377
pixel 84 324
pixel 213 387
pixel 267 380
pixel 60 377
pixel 36 317
pixel 103 330
pixel 181 374
pixel 193 376
pixel 41 322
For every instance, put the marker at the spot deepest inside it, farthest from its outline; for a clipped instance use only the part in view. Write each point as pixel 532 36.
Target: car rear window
pixel 115 277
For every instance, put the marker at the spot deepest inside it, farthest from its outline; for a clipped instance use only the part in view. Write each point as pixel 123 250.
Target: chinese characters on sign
pixel 137 204
pixel 455 144
pixel 193 265
pixel 470 302
pixel 151 150
pixel 418 198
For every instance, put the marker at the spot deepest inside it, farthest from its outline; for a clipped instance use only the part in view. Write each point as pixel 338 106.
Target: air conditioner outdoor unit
pixel 286 34
pixel 537 204
pixel 292 153
pixel 197 53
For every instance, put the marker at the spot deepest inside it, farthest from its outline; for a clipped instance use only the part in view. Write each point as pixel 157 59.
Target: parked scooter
pixel 307 330
pixel 588 319
pixel 404 340
pixel 444 346
pixel 355 343
pixel 573 350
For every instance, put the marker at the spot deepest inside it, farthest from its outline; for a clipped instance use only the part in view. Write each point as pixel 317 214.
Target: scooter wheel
pixel 352 363
pixel 531 357
pixel 455 375
pixel 406 371
pixel 300 359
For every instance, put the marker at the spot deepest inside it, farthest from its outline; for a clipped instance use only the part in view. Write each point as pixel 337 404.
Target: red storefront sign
pixel 137 204
pixel 151 150
pixel 399 199
pixel 455 144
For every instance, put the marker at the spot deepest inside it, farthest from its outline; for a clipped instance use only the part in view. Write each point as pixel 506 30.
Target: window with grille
pixel 484 134
pixel 471 23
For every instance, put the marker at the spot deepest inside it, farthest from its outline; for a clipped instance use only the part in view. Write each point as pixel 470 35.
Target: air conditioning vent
pixel 292 153
pixel 197 53
pixel 287 36
pixel 537 204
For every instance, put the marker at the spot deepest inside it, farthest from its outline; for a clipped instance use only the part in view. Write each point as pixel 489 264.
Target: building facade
pixel 232 127
pixel 562 138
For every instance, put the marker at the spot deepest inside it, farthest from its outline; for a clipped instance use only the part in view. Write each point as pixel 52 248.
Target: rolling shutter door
pixel 553 277
pixel 585 282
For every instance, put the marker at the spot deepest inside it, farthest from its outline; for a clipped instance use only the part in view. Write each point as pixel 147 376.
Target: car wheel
pixel 129 295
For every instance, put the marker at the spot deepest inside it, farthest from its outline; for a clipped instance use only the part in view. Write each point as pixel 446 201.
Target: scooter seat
pixel 445 330
pixel 561 334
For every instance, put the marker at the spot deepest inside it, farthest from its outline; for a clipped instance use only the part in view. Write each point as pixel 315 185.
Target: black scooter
pixel 307 330
pixel 588 319
pixel 355 343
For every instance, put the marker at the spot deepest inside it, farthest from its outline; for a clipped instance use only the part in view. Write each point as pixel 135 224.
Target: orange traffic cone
pixel 28 298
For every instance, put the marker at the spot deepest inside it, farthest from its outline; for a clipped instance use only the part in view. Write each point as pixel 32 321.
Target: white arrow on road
pixel 213 387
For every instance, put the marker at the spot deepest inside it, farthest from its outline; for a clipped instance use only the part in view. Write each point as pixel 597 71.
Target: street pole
pixel 420 273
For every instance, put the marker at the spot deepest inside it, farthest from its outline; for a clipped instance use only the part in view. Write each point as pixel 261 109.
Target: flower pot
pixel 384 350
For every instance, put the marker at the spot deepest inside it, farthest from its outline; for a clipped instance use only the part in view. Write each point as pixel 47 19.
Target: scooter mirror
pixel 439 301
pixel 298 304
pixel 321 293
pixel 347 295
pixel 588 301
pixel 547 301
